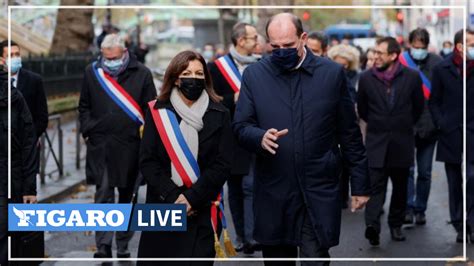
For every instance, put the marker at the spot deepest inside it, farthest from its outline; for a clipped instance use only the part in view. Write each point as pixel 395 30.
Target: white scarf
pixel 191 124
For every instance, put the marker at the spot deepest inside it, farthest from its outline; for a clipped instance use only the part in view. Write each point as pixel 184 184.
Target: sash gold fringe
pixel 229 248
pixel 217 246
pixel 141 132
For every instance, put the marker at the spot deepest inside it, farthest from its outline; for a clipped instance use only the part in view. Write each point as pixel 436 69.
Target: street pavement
pixel 434 240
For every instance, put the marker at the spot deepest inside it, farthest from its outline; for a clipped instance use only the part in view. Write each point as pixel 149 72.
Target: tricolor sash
pixel 119 95
pixel 230 72
pixel 175 144
pixel 406 60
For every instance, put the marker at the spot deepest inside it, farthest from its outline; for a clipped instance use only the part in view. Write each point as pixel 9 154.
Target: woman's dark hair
pixel 177 65
pixel 364 57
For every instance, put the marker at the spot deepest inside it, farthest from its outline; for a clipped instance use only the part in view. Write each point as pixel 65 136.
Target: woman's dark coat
pixel 214 159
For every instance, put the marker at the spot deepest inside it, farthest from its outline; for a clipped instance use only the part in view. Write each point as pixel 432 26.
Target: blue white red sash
pixel 406 60
pixel 229 71
pixel 175 144
pixel 119 95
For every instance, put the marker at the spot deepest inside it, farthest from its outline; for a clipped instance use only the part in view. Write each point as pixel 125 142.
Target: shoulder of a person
pixel 141 67
pixel 434 58
pixel 410 72
pixel 89 67
pixel 30 74
pixel 365 74
pixel 258 68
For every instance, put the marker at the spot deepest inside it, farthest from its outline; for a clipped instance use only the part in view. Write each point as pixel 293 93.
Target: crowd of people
pixel 298 128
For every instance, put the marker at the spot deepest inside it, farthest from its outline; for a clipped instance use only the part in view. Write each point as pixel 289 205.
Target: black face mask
pixel 192 88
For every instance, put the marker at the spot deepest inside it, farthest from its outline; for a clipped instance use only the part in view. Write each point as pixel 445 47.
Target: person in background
pixel 347 39
pixel 446 106
pixel 348 57
pixel 447 49
pixel 470 135
pixel 106 30
pixel 220 51
pixel 367 59
pixel 334 42
pixel 30 85
pixel 208 52
pixel 262 48
pixel 137 47
pixel 226 73
pixel 317 43
pixel 390 101
pixel 419 59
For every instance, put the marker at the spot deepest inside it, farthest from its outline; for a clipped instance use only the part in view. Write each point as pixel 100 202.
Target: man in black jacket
pixel 23 157
pixel 390 100
pixel 470 133
pixel 446 106
pixel 240 183
pixel 111 131
pixel 30 85
pixel 419 59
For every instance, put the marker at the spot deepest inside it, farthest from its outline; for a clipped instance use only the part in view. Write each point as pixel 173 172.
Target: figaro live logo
pixel 96 217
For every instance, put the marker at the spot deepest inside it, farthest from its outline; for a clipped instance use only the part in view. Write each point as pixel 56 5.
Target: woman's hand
pixel 182 200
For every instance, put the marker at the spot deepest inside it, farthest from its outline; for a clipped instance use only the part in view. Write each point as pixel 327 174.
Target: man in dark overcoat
pixel 446 106
pixel 390 100
pixel 111 134
pixel 294 111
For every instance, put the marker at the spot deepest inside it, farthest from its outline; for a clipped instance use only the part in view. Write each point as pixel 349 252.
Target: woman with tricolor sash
pixel 185 157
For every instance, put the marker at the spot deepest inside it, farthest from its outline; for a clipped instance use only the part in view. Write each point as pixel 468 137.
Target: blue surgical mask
pixel 15 64
pixel 207 54
pixel 113 65
pixel 447 50
pixel 418 54
pixel 470 53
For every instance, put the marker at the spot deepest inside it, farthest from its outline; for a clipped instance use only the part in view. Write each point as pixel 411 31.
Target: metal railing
pixel 47 149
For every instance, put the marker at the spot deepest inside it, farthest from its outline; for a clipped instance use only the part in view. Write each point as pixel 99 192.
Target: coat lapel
pixel 20 84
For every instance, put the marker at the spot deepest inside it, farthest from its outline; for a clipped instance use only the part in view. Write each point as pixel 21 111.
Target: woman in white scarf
pixel 205 126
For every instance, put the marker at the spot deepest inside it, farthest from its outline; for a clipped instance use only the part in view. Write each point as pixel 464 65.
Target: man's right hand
pixel 270 138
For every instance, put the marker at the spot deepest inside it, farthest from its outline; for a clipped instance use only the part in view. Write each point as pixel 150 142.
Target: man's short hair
pixel 321 37
pixel 112 40
pixel 393 47
pixel 4 44
pixel 419 34
pixel 459 36
pixel 296 22
pixel 238 31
